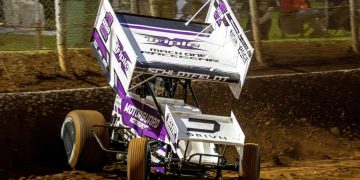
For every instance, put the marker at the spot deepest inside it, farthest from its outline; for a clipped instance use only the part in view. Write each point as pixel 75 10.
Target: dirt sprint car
pixel 157 126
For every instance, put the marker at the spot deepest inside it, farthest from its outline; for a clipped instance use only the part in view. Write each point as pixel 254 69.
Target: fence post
pixel 115 4
pixel 135 6
pixel 60 38
pixel 154 8
pixel 255 30
pixel 354 27
pixel 38 24
pixel 138 6
pixel 326 13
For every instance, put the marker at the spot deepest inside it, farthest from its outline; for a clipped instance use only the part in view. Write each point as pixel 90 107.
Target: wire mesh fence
pixel 26 25
pixel 30 24
pixel 326 19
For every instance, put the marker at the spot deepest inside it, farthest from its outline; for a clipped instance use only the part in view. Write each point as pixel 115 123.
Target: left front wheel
pixel 138 159
pixel 81 147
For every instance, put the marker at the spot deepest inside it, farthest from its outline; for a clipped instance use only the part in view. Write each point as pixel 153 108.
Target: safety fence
pixel 31 24
pixel 26 25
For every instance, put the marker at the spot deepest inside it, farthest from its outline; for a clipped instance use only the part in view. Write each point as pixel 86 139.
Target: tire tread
pixel 137 159
pixel 251 162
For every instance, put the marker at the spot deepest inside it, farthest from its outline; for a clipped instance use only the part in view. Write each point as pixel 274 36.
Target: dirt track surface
pixel 320 169
pixel 21 72
pixel 300 149
pixel 334 169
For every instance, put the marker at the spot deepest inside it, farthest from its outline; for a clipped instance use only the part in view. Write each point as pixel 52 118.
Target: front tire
pixel 137 159
pixel 81 147
pixel 251 162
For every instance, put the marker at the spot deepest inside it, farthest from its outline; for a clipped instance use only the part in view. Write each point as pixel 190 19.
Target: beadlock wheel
pixel 81 147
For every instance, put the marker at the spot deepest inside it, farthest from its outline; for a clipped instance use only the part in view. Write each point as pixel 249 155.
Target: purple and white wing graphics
pixel 113 49
pixel 232 39
pixel 167 51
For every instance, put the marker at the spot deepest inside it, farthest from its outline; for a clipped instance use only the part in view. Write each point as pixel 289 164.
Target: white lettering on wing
pixel 207 136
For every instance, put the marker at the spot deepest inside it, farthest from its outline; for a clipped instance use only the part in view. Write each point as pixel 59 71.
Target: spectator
pixel 264 21
pixel 339 15
pixel 300 10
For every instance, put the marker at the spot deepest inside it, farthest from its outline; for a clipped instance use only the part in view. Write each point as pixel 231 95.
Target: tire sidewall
pixel 72 118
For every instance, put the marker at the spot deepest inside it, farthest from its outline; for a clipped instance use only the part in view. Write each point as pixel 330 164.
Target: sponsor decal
pixel 121 56
pixel 106 23
pixel 177 54
pixel 204 129
pixel 142 118
pixel 101 50
pixel 243 55
pixel 215 125
pixel 138 123
pixel 233 24
pixel 118 87
pixel 220 11
pixel 189 75
pixel 168 42
pixel 206 136
pixel 171 128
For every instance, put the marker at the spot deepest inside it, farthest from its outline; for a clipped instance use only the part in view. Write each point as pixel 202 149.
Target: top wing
pixel 216 50
pixel 168 47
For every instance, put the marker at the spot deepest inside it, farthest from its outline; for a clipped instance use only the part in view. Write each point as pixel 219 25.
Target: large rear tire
pixel 138 159
pixel 251 162
pixel 81 147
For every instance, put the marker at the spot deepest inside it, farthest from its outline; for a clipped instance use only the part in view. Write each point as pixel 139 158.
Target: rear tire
pixel 251 162
pixel 138 159
pixel 81 147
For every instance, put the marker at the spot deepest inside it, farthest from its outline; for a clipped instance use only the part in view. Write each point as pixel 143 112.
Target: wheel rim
pixel 69 137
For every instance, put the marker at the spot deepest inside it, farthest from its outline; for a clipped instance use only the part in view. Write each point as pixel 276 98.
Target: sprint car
pixel 157 126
